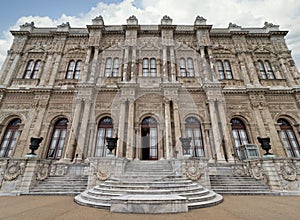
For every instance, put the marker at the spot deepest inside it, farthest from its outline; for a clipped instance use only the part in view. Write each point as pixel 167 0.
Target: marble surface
pixel 149 204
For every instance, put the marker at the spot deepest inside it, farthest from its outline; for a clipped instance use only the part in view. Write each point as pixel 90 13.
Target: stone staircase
pixel 60 185
pixel 149 187
pixel 223 181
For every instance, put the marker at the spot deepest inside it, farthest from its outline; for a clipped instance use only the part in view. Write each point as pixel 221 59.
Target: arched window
pixel 190 66
pixel 220 69
pixel 10 137
pixel 145 67
pixel 108 66
pixel 228 69
pixel 149 68
pixel 152 67
pixel 32 69
pixel 105 129
pixel 111 67
pixel 239 133
pixel 115 71
pixel 149 139
pixel 193 130
pixel 288 138
pixel 182 67
pixel 58 139
pixel 186 68
pixel 73 71
pixel 224 69
pixel 265 70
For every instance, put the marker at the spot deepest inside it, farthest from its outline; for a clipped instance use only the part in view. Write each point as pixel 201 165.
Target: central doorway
pixel 149 139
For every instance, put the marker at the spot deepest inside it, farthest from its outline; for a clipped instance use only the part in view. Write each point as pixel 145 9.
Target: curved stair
pixel 149 187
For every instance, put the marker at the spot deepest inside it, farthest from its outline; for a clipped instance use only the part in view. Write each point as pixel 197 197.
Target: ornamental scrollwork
pixel 240 170
pixel 42 172
pixel 104 173
pixel 193 170
pixel 14 170
pixel 288 172
pixel 257 171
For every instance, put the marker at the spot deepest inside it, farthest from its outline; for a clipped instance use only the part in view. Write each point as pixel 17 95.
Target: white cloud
pixel 247 13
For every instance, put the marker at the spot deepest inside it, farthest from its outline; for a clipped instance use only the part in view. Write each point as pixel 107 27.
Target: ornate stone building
pixel 148 85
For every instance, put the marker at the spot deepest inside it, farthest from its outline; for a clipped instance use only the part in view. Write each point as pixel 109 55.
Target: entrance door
pixel 149 139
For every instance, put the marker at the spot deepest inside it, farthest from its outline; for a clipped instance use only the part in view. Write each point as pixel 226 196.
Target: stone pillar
pixel 83 135
pixel 125 63
pixel 46 69
pixel 168 132
pixel 72 141
pixel 177 126
pixel 121 129
pixel 226 134
pixel 217 141
pixel 29 175
pixel 4 67
pixel 173 62
pixel 12 70
pixel 84 76
pixel 94 65
pixel 287 75
pixel 164 64
pixel 55 69
pixel 130 135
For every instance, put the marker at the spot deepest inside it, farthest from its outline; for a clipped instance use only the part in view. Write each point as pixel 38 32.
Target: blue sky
pixel 12 10
pixel 79 13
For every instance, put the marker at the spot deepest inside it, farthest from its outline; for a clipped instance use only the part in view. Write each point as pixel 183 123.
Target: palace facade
pixel 148 85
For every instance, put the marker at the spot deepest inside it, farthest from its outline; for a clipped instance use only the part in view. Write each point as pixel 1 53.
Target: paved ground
pixel 233 207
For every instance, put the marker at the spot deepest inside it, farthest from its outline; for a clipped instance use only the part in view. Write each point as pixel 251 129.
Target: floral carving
pixel 288 172
pixel 193 170
pixel 257 171
pixel 42 172
pixel 14 170
pixel 240 170
pixel 104 173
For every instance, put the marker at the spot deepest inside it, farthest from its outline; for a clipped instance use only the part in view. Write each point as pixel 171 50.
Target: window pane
pixel 182 67
pixel 228 69
pixel 269 70
pixel 220 69
pixel 116 67
pixel 190 67
pixel 152 67
pixel 262 70
pixel 29 69
pixel 36 69
pixel 145 67
pixel 108 67
pixel 77 69
pixel 70 69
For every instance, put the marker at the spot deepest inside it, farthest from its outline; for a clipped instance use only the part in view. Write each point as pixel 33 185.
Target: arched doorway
pixel 193 130
pixel 105 129
pixel 58 139
pixel 149 149
pixel 239 133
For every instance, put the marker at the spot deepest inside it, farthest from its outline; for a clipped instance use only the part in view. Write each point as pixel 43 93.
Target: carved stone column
pixel 72 141
pixel 130 136
pixel 121 129
pixel 168 131
pixel 177 126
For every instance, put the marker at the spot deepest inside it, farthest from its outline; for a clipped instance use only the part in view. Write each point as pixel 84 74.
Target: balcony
pixel 248 152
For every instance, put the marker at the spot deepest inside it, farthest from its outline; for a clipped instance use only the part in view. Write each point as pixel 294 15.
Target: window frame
pixel 111 67
pixel 74 69
pixel 32 69
pixel 57 143
pixel 10 137
pixel 265 69
pixel 288 137
pixel 224 70
pixel 106 129
pixel 194 131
